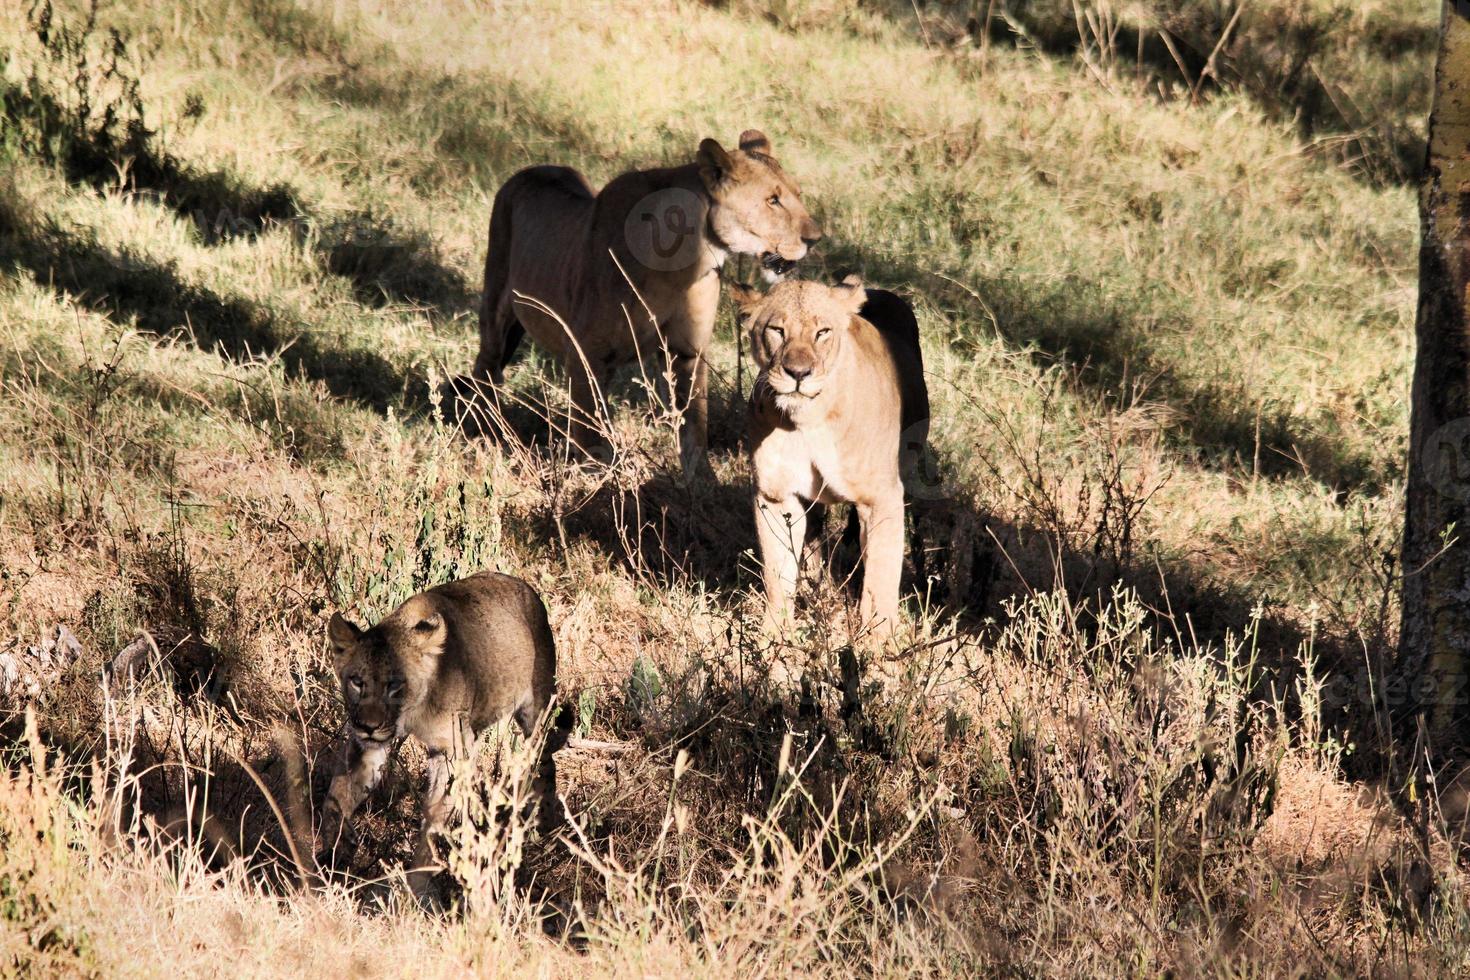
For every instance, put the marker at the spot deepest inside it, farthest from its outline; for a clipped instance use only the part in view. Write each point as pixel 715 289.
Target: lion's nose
pixel 811 239
pixel 798 372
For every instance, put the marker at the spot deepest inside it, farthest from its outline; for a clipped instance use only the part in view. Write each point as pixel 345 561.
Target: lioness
pixel 442 667
pixel 839 398
pixel 632 268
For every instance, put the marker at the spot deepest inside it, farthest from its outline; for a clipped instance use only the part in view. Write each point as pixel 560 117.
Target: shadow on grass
pixel 95 155
pixel 388 264
pixel 385 262
pixel 124 286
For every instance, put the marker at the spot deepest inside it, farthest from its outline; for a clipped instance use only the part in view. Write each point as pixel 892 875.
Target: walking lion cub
pixel 442 667
pixel 839 402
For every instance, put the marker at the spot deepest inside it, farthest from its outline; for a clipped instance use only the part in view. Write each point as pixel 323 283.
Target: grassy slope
pixel 1102 279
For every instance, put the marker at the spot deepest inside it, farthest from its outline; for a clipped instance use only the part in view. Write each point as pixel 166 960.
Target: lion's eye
pixel 775 334
pixel 823 332
pixel 355 682
pixel 774 200
pixel 395 686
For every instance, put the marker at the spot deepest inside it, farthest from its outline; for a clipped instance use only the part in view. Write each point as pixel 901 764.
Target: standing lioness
pixel 633 269
pixel 442 667
pixel 839 399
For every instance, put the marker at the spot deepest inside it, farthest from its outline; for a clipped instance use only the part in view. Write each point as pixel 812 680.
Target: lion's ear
pixel 714 163
pixel 745 299
pixel 429 624
pixel 754 141
pixel 342 634
pixel 341 631
pixel 851 294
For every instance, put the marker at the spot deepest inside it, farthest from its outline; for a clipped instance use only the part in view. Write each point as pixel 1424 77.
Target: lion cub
pixel 442 667
pixel 839 396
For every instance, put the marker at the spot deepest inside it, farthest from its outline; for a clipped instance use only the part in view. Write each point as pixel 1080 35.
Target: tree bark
pixel 1434 651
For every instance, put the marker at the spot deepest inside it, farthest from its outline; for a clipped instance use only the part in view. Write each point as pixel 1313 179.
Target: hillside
pixel 1167 325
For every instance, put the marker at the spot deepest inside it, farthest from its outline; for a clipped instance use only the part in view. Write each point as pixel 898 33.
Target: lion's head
pixel 755 208
pixel 797 332
pixel 386 670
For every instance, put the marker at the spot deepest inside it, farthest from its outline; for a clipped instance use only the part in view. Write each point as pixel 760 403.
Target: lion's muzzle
pixel 369 730
pixel 776 264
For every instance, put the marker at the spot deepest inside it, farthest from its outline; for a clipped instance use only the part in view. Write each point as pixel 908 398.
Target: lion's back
pixel 499 629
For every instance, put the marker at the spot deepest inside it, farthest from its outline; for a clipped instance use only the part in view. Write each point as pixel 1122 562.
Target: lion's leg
pixel 587 379
pixel 500 334
pixel 549 814
pixel 691 397
pixel 882 534
pixel 364 767
pixel 814 559
pixel 472 402
pixel 514 334
pixel 689 333
pixel 780 526
pixel 436 812
pixel 852 551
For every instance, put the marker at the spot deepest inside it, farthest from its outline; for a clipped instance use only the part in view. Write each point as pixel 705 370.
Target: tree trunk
pixel 1434 652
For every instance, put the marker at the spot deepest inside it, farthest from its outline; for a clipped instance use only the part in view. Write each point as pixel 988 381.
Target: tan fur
pixel 632 269
pixel 825 422
pixel 442 667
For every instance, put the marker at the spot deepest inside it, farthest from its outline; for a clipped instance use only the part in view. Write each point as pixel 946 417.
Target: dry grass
pixel 1140 727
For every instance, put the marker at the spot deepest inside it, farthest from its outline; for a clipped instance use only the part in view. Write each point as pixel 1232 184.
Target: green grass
pixel 1167 346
